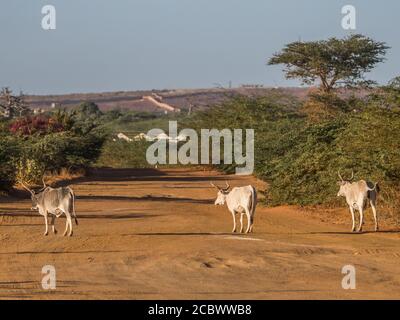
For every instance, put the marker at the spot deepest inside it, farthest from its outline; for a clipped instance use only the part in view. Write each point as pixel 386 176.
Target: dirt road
pixel 148 234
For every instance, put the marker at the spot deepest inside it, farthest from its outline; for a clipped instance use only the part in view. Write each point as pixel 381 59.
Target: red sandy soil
pixel 155 234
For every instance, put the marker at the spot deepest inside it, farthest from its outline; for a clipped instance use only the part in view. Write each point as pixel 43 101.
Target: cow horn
pixel 213 185
pixel 352 175
pixel 227 186
pixel 340 176
pixel 44 183
pixel 26 187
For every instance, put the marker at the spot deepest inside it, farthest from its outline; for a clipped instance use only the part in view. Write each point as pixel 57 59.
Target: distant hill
pixel 180 98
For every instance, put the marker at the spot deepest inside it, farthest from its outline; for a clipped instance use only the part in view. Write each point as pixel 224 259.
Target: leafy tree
pixel 387 96
pixel 112 115
pixel 11 105
pixel 86 117
pixel 394 84
pixel 88 109
pixel 332 62
pixel 65 118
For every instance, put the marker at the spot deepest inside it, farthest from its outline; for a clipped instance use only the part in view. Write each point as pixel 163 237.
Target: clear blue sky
pixel 103 45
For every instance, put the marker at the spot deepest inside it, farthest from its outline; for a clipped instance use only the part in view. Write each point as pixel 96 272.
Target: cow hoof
pixel 55 231
pixel 46 234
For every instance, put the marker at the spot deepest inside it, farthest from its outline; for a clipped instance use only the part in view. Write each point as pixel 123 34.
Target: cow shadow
pixel 145 198
pixel 106 174
pixel 183 234
pixel 111 216
pixel 353 233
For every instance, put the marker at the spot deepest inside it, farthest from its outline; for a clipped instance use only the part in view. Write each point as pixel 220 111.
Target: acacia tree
pixel 11 105
pixel 333 62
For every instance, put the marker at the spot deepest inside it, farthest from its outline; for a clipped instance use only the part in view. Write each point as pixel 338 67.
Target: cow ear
pixel 339 183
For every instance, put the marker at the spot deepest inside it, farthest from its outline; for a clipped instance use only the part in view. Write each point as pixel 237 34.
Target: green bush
pixel 27 156
pixel 300 158
pixel 9 151
pixel 123 154
pixel 60 150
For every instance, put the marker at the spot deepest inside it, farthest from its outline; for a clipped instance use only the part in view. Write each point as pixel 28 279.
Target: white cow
pixel 240 200
pixel 122 136
pixel 54 202
pixel 357 194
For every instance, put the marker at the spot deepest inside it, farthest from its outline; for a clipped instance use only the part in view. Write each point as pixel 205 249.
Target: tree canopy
pixel 332 62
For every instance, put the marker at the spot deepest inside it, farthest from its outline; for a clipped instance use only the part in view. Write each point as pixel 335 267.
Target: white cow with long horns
pixel 240 200
pixel 357 195
pixel 54 201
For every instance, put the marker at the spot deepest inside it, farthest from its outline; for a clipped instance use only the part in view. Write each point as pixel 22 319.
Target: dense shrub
pixel 272 117
pixel 29 146
pixel 300 158
pixel 59 150
pixel 88 109
pixel 9 151
pixel 123 154
pixel 36 125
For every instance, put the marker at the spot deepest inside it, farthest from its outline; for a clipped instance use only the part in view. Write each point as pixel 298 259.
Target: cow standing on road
pixel 357 194
pixel 56 202
pixel 242 200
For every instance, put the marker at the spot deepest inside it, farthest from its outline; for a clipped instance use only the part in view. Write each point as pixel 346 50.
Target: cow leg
pixel 251 224
pixel 248 221
pixel 66 225
pixel 47 225
pixel 69 221
pixel 53 218
pixel 373 207
pixel 353 228
pixel 361 219
pixel 234 221
pixel 241 222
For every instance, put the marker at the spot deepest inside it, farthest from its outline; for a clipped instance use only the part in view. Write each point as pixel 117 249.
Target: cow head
pixel 35 195
pixel 222 193
pixel 343 184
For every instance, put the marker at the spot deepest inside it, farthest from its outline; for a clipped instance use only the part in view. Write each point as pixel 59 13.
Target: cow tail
pixel 73 206
pixel 253 203
pixel 376 188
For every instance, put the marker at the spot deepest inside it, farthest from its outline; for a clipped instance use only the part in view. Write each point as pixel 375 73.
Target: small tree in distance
pixel 11 105
pixel 333 62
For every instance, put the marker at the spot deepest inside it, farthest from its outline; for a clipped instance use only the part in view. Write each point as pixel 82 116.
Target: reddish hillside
pixel 181 98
